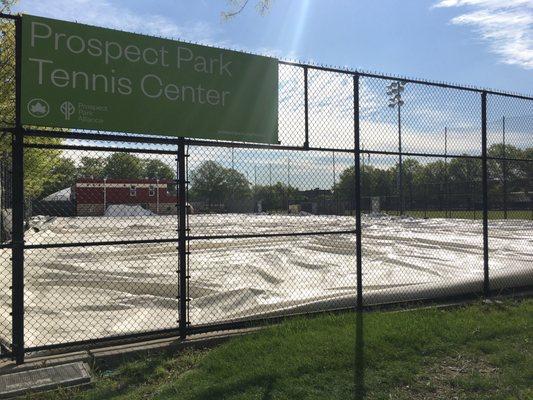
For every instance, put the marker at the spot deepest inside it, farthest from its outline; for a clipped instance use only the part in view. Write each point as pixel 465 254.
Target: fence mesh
pixel 268 230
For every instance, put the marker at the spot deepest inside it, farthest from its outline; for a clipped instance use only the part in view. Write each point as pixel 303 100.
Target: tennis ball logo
pixel 38 108
pixel 67 108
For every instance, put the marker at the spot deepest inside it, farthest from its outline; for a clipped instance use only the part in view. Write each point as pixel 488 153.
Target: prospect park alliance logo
pixel 40 108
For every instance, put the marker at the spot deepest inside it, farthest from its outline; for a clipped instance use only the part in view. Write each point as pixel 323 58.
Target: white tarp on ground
pixel 126 210
pixel 77 293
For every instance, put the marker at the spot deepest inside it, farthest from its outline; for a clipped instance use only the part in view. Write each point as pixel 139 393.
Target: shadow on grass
pixel 359 369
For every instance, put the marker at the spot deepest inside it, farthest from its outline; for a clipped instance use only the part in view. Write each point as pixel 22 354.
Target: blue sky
pixel 487 43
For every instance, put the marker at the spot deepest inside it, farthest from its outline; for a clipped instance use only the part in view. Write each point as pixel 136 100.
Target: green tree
pixel 123 166
pixel 527 168
pixel 213 183
pixel 411 177
pixel 91 167
pixel 157 169
pixel 513 170
pixel 38 163
pixel 345 187
pixel 238 185
pixel 277 196
pixel 65 174
pixel 374 182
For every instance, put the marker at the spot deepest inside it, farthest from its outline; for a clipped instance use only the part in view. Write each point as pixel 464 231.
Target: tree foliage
pixel 129 166
pixel 428 183
pixel 157 169
pixel 123 166
pixel 39 164
pixel 91 167
pixel 65 174
pixel 65 171
pixel 214 184
pixel 276 196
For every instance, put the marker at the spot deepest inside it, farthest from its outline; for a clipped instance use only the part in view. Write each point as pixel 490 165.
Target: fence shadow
pixel 359 365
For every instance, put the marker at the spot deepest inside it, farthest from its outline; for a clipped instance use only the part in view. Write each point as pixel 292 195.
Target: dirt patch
pixel 453 378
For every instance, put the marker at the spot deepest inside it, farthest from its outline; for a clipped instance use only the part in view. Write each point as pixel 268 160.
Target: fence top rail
pixel 351 71
pixel 426 82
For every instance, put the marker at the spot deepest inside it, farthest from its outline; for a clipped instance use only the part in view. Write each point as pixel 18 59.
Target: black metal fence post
pixel 17 288
pixel 182 239
pixel 357 194
pixel 485 189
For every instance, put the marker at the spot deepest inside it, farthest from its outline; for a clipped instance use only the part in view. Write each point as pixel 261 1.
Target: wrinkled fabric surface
pixel 85 292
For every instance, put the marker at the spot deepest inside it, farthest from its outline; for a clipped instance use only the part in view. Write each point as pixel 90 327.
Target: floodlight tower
pixel 394 90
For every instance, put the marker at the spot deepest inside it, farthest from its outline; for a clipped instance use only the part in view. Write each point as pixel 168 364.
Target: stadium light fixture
pixel 394 91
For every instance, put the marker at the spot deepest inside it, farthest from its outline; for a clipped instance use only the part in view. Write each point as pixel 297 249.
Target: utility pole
pixel 157 195
pixel 105 194
pixel 395 90
pixel 288 180
pixel 446 177
pixel 232 171
pixel 335 191
pixel 288 172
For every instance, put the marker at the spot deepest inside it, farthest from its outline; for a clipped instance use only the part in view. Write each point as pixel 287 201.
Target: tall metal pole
pixel 334 177
pixel 335 191
pixel 233 208
pixel 485 188
pixel 157 195
pixel 182 239
pixel 306 108
pixel 17 287
pixel 425 200
pixel 504 170
pixel 400 166
pixel 446 177
pixel 288 172
pixel 357 184
pixel 288 180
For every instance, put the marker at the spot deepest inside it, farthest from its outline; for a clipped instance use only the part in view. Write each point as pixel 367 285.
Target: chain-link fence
pixel 381 190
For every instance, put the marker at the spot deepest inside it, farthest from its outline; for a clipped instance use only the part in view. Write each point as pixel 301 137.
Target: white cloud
pixel 507 25
pixel 106 14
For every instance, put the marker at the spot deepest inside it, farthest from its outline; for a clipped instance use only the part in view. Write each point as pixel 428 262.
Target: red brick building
pixel 94 196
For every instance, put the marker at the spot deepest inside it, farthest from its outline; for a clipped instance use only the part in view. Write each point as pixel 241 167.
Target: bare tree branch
pixel 262 7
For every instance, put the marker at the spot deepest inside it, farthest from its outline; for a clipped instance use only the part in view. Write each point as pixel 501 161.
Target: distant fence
pixel 263 231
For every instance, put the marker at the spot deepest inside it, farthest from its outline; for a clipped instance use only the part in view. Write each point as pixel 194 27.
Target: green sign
pixel 79 76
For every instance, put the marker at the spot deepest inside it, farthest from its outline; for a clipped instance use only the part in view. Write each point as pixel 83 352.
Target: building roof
pixel 61 195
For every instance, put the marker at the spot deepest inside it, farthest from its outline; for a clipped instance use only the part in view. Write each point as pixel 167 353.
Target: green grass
pixel 476 352
pixel 478 214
